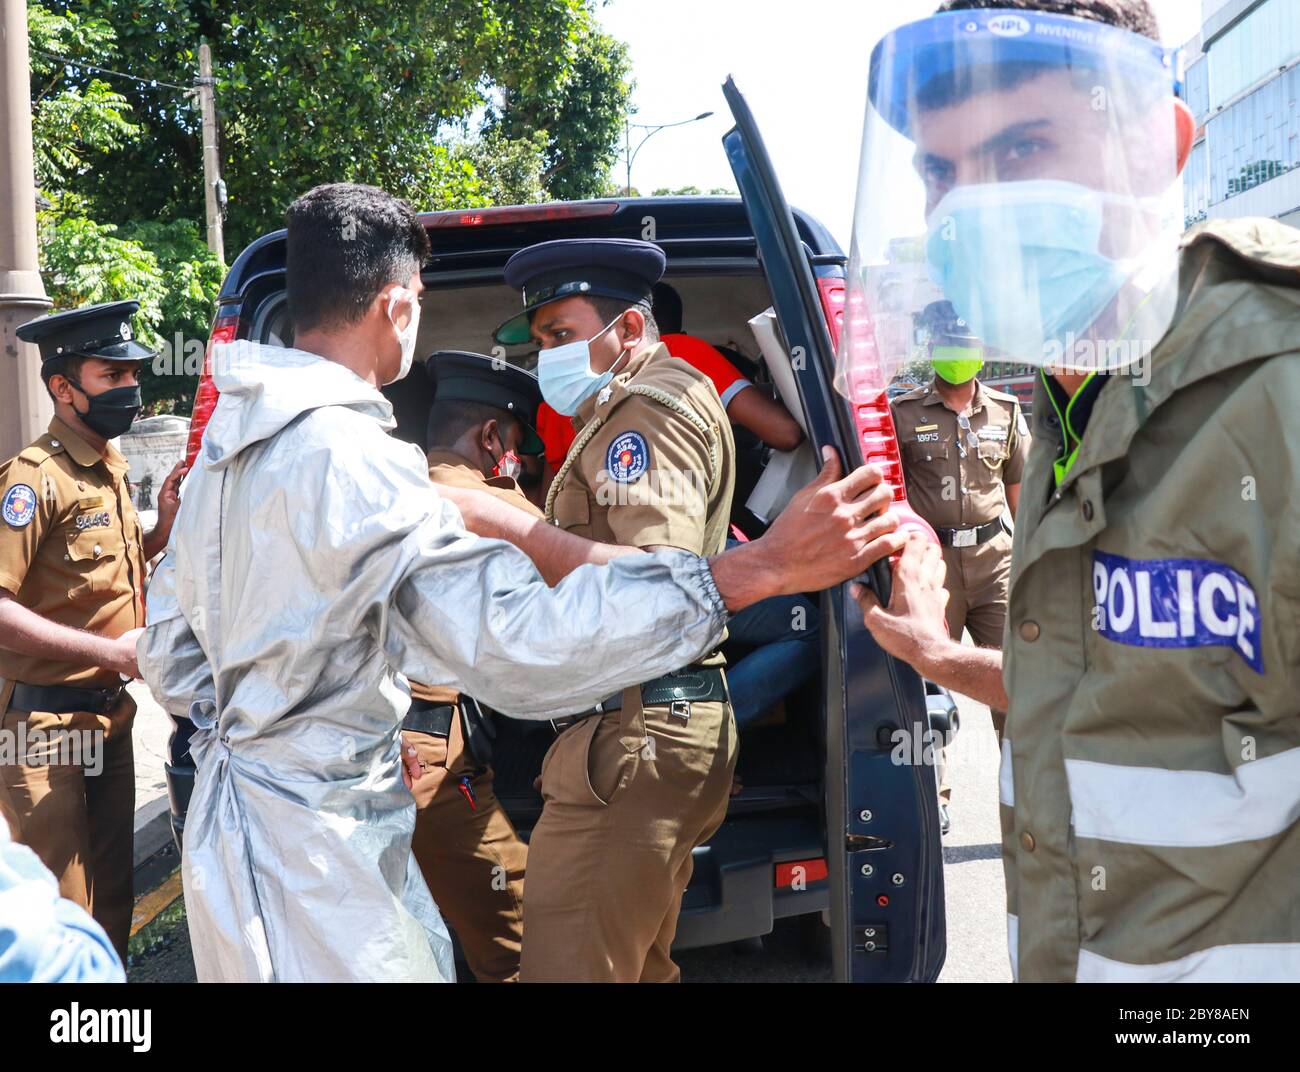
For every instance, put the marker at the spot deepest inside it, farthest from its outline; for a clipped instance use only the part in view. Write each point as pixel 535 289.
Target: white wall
pixel 151 448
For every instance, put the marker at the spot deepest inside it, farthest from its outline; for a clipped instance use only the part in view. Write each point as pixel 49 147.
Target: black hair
pixel 346 243
pixel 609 309
pixel 449 420
pixel 68 366
pixel 1135 16
pixel 668 308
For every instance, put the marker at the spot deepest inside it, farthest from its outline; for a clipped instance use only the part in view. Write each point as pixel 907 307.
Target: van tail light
pixel 800 873
pixel 512 214
pixel 861 378
pixel 205 399
pixel 831 291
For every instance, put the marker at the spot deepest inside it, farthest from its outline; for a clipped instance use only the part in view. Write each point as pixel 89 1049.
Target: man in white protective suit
pixel 313 567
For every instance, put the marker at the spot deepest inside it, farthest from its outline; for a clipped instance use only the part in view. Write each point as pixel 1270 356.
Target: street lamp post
pixel 629 153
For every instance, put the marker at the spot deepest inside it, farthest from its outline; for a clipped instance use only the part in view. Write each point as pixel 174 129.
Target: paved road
pixel 977 941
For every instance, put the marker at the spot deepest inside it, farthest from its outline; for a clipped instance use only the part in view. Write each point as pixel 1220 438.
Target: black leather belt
pixel 679 689
pixel 61 699
pixel 613 703
pixel 427 717
pixel 971 537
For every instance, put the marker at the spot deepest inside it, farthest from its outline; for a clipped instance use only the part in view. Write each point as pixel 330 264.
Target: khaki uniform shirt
pixel 1150 779
pixel 71 549
pixel 449 468
pixel 654 461
pixel 952 490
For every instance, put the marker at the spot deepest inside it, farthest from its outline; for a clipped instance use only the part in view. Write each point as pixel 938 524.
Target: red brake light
pixel 803 871
pixel 831 291
pixel 205 398
pixel 519 214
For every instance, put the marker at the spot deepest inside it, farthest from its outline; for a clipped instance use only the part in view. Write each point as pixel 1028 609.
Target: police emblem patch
pixel 628 457
pixel 19 506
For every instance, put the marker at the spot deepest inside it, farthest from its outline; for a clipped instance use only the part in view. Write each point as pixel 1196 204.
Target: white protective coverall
pixel 313 565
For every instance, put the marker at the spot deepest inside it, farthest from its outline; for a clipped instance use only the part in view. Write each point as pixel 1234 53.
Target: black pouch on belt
pixel 681 688
pixel 479 729
pixel 431 718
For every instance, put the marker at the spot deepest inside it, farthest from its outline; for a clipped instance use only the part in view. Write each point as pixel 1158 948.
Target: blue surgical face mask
pixel 564 373
pixel 1021 263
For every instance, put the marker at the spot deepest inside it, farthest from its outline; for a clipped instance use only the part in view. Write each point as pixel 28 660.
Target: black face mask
pixel 112 412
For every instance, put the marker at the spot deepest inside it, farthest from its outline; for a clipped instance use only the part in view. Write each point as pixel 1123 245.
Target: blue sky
pixel 802 65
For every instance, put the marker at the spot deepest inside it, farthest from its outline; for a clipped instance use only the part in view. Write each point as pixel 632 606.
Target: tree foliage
pixel 72 126
pixel 361 91
pixel 680 191
pixel 448 103
pixel 581 116
pixel 165 266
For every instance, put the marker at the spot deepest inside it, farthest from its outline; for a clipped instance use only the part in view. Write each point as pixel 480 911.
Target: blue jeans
pixel 785 633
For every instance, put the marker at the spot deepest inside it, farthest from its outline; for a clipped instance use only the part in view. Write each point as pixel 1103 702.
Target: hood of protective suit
pixel 1222 307
pixel 264 388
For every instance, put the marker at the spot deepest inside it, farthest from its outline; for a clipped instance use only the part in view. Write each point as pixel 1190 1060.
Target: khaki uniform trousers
pixel 70 797
pixel 471 858
pixel 629 795
pixel 977 582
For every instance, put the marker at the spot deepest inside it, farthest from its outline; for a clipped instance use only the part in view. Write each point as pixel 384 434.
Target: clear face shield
pixel 1024 168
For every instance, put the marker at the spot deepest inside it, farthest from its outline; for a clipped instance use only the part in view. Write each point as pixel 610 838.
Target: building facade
pixel 1243 86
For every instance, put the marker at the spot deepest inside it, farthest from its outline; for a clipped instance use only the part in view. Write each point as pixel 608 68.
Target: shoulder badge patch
pixel 628 457
pixel 19 505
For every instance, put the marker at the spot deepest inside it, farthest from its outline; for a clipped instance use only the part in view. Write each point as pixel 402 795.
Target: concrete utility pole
pixel 211 161
pixel 25 408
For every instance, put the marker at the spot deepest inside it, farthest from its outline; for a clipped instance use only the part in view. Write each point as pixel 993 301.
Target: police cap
pixel 622 268
pixel 945 327
pixel 102 331
pixel 460 376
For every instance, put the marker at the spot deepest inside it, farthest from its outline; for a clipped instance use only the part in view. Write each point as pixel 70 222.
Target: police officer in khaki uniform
pixel 473 861
pixel 964 447
pixel 632 787
pixel 72 566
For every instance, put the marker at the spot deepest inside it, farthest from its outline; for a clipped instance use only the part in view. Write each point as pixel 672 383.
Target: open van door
pixel 882 823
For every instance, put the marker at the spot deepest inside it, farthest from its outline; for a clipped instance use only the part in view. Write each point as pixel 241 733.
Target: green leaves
pixel 363 91
pixel 448 103
pixel 165 266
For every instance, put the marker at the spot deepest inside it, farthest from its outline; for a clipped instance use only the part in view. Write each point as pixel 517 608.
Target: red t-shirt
pixel 557 430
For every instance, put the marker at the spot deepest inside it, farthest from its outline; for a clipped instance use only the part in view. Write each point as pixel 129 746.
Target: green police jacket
pixel 1150 781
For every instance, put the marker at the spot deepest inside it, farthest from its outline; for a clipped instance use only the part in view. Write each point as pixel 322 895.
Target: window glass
pixel 1266 39
pixel 1253 141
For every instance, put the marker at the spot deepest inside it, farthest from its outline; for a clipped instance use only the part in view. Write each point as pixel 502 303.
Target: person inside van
pixel 766 418
pixel 783 632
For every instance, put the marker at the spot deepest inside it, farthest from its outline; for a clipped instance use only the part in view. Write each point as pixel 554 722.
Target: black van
pixel 829 823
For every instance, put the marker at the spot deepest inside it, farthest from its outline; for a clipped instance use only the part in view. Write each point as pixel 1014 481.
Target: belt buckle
pixel 680 709
pixel 965 537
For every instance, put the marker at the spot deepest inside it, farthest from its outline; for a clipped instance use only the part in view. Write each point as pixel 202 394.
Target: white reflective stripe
pixel 1013 945
pixel 1276 962
pixel 1178 808
pixel 1006 777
